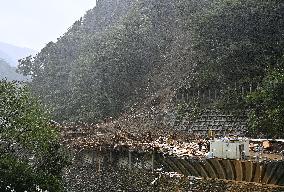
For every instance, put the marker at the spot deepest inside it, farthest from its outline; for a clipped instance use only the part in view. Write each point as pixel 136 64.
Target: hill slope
pixel 127 55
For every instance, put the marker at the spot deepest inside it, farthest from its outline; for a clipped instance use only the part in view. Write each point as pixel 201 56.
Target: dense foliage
pixel 30 154
pixel 124 51
pixel 239 40
pixel 267 106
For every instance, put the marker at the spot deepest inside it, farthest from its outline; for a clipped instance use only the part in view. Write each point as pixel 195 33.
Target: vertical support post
pixel 250 88
pixel 187 97
pixel 243 91
pixel 129 160
pixel 110 156
pixel 99 164
pixel 100 159
pixel 209 95
pixel 260 168
pixel 93 156
pixel 153 161
pixel 215 94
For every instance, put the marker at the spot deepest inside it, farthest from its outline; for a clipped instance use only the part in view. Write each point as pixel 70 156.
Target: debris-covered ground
pixel 175 143
pixel 180 145
pixel 87 179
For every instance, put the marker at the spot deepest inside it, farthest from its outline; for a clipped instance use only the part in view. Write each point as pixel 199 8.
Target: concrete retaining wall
pixel 248 171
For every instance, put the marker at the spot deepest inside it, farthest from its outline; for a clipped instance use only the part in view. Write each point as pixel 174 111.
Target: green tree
pixel 237 41
pixel 267 106
pixel 31 156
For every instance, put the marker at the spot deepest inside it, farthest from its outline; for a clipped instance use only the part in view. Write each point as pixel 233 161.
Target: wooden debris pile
pixel 91 136
pixel 181 149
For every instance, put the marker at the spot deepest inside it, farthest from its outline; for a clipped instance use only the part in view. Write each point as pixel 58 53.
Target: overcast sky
pixel 33 23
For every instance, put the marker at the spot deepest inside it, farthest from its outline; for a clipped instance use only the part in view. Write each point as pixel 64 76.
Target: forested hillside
pixel 123 52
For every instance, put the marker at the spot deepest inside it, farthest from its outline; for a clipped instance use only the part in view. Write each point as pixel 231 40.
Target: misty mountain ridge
pixel 11 53
pixel 8 72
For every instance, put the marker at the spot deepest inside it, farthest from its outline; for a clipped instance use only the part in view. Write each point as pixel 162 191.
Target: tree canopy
pixel 30 154
pixel 267 106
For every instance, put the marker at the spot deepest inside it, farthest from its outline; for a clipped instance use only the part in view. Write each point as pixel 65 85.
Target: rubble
pixel 174 143
pixel 94 136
